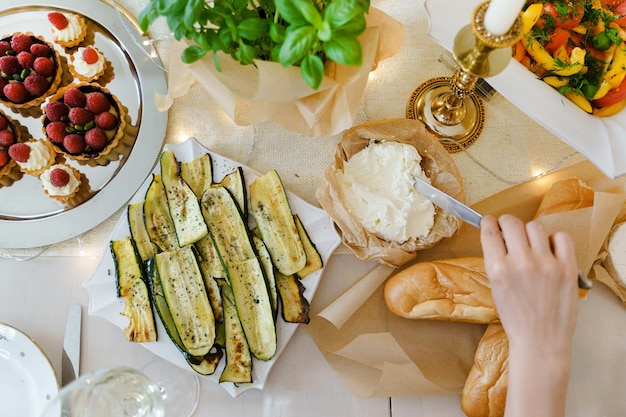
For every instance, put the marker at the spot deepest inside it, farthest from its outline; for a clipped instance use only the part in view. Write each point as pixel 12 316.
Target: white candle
pixel 501 14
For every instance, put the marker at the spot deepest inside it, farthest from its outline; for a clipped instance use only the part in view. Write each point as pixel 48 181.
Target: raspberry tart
pixel 87 63
pixel 61 181
pixel 9 136
pixel 34 156
pixel 68 29
pixel 30 70
pixel 84 121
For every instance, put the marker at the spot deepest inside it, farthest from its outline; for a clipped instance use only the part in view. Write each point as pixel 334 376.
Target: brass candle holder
pixel 450 106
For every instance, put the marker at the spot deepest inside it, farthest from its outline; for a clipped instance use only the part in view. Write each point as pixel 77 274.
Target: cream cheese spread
pixel 67 189
pixel 616 259
pixel 69 33
pixel 377 185
pixel 83 68
pixel 38 157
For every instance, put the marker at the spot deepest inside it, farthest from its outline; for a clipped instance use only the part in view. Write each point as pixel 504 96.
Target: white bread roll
pixel 484 392
pixel 449 290
pixel 565 195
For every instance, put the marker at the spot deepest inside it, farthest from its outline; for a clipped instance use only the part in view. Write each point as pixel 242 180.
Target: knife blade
pixel 447 203
pixel 70 358
pixel 469 215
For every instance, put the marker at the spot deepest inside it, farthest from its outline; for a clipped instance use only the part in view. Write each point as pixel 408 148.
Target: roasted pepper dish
pixel 579 48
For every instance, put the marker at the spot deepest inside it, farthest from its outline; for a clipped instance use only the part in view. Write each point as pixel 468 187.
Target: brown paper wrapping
pixel 266 91
pixel 438 166
pixel 377 354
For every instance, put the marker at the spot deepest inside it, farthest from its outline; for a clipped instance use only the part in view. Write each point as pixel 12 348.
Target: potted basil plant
pixel 304 33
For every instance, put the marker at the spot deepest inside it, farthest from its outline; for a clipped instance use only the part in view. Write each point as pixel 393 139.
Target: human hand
pixel 533 282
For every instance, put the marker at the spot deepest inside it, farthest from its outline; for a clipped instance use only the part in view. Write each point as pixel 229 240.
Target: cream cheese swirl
pixel 377 184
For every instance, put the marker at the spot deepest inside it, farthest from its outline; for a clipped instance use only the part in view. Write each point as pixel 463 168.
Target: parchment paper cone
pixel 438 166
pixel 249 93
pixel 377 354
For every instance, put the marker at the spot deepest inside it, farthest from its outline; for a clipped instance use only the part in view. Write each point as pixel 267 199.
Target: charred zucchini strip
pixel 313 258
pixel 211 268
pixel 198 173
pixel 274 219
pixel 186 297
pixel 139 233
pixel 268 272
pixel 236 184
pixel 182 202
pixel 295 307
pixel 243 270
pixel 238 367
pixel 157 217
pixel 131 285
pixel 204 365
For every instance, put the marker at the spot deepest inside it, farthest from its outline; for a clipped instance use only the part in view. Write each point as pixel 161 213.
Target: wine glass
pixel 123 392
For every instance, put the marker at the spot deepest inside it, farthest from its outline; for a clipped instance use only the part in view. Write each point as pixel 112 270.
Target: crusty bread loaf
pixel 564 195
pixel 484 392
pixel 450 290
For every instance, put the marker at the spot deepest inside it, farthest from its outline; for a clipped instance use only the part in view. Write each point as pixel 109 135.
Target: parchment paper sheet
pixel 375 353
pixel 266 91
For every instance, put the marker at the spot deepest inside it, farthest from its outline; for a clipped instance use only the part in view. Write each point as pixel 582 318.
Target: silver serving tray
pixel 28 217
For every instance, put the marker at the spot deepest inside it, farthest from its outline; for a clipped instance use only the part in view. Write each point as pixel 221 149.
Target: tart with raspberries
pixel 61 181
pixel 30 70
pixel 33 156
pixel 88 63
pixel 84 121
pixel 9 136
pixel 68 29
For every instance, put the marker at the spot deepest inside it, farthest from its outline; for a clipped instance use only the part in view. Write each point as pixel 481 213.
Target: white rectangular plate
pixel 103 301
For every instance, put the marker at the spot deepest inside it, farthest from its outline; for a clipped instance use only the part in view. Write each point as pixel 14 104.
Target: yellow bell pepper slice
pixel 610 110
pixel 605 87
pixel 615 73
pixel 556 82
pixel 558 67
pixel 579 100
pixel 530 17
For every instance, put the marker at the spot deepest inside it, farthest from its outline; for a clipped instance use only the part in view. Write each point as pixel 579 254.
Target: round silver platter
pixel 28 217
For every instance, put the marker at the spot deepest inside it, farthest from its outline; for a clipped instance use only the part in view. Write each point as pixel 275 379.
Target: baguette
pixel 448 290
pixel 484 392
pixel 565 195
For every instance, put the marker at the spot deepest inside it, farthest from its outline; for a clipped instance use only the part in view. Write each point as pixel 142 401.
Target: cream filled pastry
pixel 377 183
pixel 68 29
pixel 33 156
pixel 87 63
pixel 60 181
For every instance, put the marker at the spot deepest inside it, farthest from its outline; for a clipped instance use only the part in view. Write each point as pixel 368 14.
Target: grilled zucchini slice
pixel 274 219
pixel 211 268
pixel 238 368
pixel 313 258
pixel 236 184
pixel 204 365
pixel 295 307
pixel 145 247
pixel 187 299
pixel 198 173
pixel 159 225
pixel 131 285
pixel 268 272
pixel 243 270
pixel 182 202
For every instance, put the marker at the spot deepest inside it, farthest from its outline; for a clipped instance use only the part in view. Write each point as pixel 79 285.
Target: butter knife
pixel 447 203
pixel 469 215
pixel 70 358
